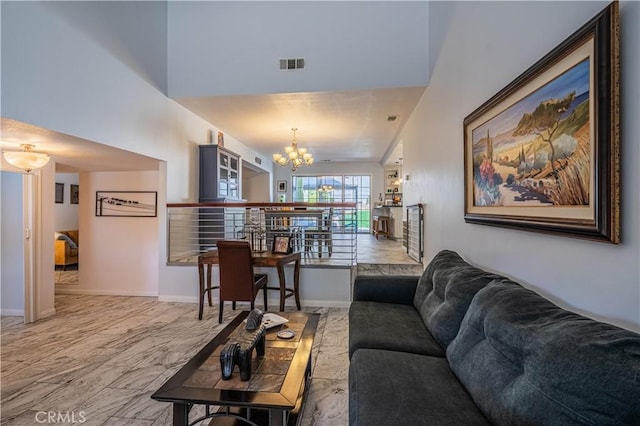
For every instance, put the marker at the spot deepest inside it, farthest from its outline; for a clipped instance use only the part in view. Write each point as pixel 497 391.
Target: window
pixel 338 189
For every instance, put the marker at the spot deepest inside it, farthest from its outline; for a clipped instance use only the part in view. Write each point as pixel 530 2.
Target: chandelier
pixel 294 156
pixel 26 159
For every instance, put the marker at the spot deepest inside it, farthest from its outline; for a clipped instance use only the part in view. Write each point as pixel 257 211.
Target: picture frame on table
pixel 543 154
pixel 281 244
pixel 282 186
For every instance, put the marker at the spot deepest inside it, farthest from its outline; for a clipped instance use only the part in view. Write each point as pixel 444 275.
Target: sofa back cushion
pixel 524 361
pixel 444 292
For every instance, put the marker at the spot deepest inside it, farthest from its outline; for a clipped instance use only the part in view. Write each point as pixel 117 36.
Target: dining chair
pixel 238 282
pixel 323 234
pixel 282 223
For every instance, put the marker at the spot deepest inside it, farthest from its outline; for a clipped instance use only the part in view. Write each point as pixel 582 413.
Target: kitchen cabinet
pixel 219 174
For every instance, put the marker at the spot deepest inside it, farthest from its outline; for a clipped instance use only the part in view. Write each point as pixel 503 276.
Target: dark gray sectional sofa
pixel 461 346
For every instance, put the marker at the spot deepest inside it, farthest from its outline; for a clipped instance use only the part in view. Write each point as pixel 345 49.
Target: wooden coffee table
pixel 273 396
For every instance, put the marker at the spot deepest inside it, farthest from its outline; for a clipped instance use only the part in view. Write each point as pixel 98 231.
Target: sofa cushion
pixel 385 288
pixel 396 388
pixel 389 326
pixel 444 293
pixel 524 360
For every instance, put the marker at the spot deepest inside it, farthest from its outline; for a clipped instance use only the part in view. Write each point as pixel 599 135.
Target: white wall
pixel 117 255
pixel 66 214
pixel 477 58
pixel 11 240
pixel 94 85
pixel 256 188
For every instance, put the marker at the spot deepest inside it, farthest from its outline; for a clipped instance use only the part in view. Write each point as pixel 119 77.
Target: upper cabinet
pixel 393 186
pixel 393 180
pixel 219 174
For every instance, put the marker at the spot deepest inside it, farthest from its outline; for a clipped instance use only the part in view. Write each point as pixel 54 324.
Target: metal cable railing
pixel 414 232
pixel 324 232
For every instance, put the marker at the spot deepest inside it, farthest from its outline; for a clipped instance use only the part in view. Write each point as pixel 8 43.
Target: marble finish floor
pixel 384 257
pixel 101 357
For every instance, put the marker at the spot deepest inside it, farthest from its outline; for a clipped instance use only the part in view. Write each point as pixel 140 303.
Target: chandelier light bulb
pixel 294 156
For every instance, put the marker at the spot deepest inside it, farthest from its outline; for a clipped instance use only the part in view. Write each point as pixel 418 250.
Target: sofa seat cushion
pixel 444 292
pixel 389 326
pixel 395 388
pixel 526 361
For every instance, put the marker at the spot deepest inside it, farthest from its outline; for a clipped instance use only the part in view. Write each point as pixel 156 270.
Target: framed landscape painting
pixel 543 154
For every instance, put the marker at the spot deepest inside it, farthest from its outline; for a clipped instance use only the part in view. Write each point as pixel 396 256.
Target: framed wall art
pixel 543 153
pixel 127 203
pixel 59 193
pixel 74 194
pixel 282 186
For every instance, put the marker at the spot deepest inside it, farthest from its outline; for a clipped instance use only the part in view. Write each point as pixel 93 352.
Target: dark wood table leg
pixel 209 284
pixel 283 286
pixel 201 277
pixel 180 414
pixel 296 283
pixel 276 417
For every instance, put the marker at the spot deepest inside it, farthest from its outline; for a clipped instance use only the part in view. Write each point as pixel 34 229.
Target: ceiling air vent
pixel 292 64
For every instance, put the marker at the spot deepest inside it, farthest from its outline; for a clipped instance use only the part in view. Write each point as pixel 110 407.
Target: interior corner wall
pixel 12 241
pixel 96 87
pixel 474 60
pixel 117 255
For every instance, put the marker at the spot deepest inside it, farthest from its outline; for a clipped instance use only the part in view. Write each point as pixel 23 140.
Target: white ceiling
pixel 71 154
pixel 335 126
pixel 368 62
pixel 363 61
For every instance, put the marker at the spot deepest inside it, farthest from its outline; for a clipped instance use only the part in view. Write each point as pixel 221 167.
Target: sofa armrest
pixel 398 289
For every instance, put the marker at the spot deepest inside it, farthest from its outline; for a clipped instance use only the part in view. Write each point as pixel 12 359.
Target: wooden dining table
pixel 263 259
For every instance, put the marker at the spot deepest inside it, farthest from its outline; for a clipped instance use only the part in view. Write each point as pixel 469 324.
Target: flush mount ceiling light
pixel 26 159
pixel 294 156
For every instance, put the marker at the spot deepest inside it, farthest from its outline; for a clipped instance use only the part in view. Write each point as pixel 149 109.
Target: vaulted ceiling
pixel 364 61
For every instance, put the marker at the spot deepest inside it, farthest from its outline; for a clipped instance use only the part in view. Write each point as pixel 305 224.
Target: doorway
pixel 67 232
pixel 255 183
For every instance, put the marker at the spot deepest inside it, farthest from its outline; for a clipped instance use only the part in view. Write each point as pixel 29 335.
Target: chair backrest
pixel 236 271
pixel 327 220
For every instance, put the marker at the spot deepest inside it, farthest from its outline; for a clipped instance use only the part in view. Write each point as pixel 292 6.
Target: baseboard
pixel 92 292
pixel 12 312
pixel 48 313
pixel 326 303
pixel 178 299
